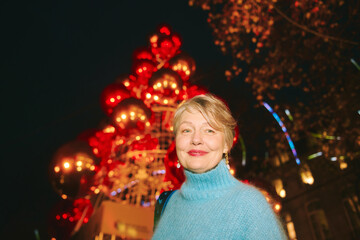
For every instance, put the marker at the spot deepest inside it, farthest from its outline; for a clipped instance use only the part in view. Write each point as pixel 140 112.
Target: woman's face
pixel 199 147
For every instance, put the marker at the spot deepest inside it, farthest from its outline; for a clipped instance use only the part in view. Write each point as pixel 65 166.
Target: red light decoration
pixel 164 45
pixel 112 95
pixel 173 172
pixel 191 91
pixel 184 65
pixel 176 40
pixel 72 169
pixel 144 69
pixel 164 48
pixel 101 142
pixel 165 86
pixel 66 214
pixel 131 114
pixel 165 30
pixel 146 143
pixel 143 54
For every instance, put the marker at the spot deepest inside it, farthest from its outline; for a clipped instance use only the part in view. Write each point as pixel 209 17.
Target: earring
pixel 227 160
pixel 178 164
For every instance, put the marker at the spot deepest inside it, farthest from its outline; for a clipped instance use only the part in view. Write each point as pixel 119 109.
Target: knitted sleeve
pixel 262 222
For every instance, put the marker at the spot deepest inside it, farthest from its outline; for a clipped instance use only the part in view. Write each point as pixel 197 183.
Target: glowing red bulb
pixel 165 30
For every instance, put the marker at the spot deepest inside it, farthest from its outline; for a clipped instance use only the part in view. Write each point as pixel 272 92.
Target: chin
pixel 200 168
pixel 195 167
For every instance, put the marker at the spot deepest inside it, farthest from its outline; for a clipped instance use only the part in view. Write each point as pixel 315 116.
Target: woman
pixel 211 203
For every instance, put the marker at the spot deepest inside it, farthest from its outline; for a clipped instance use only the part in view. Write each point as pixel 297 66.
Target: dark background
pixel 57 57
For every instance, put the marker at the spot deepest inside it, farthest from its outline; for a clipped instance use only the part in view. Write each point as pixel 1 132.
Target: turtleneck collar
pixel 210 184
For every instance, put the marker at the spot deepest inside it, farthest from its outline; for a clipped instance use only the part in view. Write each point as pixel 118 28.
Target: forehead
pixel 193 117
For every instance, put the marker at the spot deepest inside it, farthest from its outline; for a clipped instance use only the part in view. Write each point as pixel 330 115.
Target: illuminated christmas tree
pixel 132 158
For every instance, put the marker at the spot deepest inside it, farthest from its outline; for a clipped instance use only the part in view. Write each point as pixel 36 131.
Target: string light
pixel 315 155
pixel 283 128
pixel 287 112
pixel 355 63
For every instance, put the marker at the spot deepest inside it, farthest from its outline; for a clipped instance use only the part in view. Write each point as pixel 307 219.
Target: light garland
pixel 283 128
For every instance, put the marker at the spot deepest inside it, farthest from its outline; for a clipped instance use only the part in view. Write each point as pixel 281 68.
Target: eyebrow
pixel 187 122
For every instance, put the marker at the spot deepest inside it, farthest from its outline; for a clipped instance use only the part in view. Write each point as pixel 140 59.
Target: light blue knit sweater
pixel 215 205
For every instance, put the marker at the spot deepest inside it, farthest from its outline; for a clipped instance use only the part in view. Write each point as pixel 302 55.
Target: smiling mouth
pixel 196 153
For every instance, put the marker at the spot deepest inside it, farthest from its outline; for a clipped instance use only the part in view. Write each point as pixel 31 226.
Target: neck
pixel 212 183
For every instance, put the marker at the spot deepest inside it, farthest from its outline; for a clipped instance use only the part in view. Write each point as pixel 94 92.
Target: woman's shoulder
pixel 249 192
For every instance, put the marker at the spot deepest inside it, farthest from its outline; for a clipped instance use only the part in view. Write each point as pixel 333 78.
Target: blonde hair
pixel 214 110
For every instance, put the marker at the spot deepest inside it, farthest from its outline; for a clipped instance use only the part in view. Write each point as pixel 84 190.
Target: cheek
pixel 216 143
pixel 180 143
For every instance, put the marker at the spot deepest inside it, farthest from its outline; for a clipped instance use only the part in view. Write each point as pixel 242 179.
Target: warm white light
pixel 310 180
pixel 279 187
pixel 56 169
pixel 291 230
pixel 277 207
pixel 282 193
pixel 66 165
pixel 343 165
pixel 109 129
pixel 154 39
pixel 306 175
pixel 123 116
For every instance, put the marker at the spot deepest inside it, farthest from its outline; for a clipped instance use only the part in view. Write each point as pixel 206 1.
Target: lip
pixel 194 152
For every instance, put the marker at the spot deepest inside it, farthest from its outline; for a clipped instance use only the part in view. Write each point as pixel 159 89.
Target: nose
pixel 196 138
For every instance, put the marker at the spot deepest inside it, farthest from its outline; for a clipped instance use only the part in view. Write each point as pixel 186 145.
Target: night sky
pixel 57 57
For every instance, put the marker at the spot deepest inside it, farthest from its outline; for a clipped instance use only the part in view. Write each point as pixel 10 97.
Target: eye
pixel 185 130
pixel 209 130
